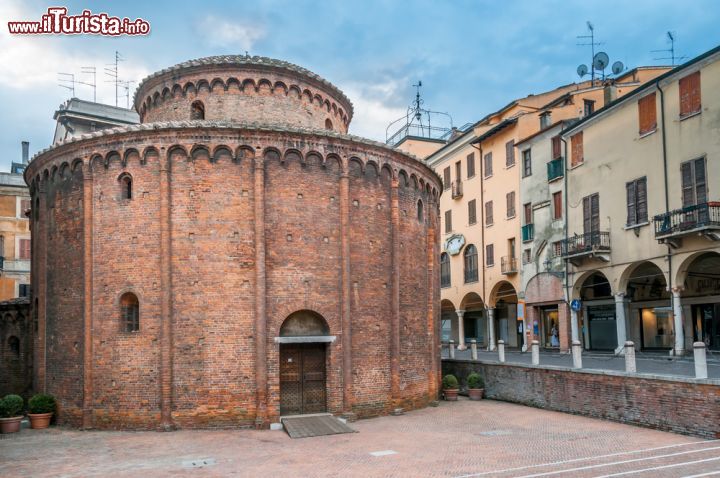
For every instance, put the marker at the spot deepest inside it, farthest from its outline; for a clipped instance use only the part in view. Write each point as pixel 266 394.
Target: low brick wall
pixel 679 405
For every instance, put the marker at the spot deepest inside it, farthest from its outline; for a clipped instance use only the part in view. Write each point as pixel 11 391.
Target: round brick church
pixel 233 258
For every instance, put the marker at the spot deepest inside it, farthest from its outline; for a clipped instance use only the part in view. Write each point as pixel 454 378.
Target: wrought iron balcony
pixel 555 169
pixel 700 219
pixel 508 265
pixel 591 244
pixel 528 232
pixel 457 189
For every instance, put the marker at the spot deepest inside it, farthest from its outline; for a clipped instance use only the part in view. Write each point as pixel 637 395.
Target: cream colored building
pixel 643 214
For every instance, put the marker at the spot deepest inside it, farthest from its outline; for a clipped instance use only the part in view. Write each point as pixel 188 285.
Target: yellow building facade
pixel 643 226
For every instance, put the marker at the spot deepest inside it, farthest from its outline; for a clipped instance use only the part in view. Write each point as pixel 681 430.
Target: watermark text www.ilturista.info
pixel 57 21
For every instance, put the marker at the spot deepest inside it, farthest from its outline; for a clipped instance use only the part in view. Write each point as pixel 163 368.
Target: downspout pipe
pixel 667 191
pixel 481 264
pixel 566 215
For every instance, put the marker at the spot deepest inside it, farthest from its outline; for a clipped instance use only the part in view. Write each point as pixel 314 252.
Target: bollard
pixel 577 354
pixel 700 360
pixel 535 346
pixel 501 350
pixel 452 349
pixel 473 349
pixel 630 366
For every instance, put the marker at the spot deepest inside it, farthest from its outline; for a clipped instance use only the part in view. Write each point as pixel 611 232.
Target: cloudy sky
pixel 472 56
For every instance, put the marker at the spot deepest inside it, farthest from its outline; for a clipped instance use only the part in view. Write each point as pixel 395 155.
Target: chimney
pixel 25 152
pixel 610 92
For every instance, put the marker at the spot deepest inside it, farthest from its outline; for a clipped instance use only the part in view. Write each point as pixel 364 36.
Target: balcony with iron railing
pixel 528 232
pixel 555 169
pixel 700 219
pixel 508 265
pixel 457 189
pixel 14 265
pixel 594 244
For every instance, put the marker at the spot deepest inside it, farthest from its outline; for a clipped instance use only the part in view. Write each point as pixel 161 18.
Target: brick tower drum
pixel 235 257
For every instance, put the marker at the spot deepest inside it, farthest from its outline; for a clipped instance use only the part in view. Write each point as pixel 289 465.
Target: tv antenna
pixel 592 45
pixel 67 81
pixel 90 70
pixel 112 71
pixel 126 86
pixel 671 50
pixel 418 122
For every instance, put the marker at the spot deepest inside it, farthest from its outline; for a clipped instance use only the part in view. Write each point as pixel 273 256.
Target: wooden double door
pixel 302 379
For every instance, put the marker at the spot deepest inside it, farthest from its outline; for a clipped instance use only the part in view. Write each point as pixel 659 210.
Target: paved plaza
pixel 462 439
pixel 647 362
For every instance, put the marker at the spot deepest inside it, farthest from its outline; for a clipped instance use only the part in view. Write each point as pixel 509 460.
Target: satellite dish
pixel 617 67
pixel 601 60
pixel 582 70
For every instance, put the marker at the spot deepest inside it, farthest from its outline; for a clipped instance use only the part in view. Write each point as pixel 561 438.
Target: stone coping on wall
pixel 594 371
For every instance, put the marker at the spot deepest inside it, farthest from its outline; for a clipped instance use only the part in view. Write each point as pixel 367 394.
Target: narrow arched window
pixel 328 124
pixel 444 270
pixel 126 186
pixel 130 312
pixel 14 345
pixel 471 264
pixel 420 212
pixel 197 111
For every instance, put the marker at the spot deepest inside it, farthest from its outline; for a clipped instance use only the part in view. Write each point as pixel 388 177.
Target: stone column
pixel 166 341
pixel 346 291
pixel 395 291
pixel 700 360
pixel 491 329
pixel 461 329
pixel 630 366
pixel 678 321
pixel 574 328
pixel 620 322
pixel 260 305
pixel 87 419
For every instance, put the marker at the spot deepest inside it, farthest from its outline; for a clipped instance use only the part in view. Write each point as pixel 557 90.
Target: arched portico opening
pixel 474 318
pixel 448 321
pixel 650 309
pixel 700 297
pixel 303 340
pixel 598 323
pixel 503 300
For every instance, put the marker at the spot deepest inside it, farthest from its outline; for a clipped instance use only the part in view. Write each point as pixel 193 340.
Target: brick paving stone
pixel 454 439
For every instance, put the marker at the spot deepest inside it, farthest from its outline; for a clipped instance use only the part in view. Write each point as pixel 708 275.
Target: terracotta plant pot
pixel 451 394
pixel 476 393
pixel 39 420
pixel 10 425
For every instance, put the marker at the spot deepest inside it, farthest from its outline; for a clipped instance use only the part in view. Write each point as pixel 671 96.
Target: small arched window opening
pixel 130 312
pixel 471 264
pixel 444 270
pixel 328 124
pixel 126 186
pixel 14 345
pixel 420 211
pixel 197 111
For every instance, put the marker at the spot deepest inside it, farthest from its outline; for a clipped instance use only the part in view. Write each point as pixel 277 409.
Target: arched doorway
pixel 508 328
pixel 701 295
pixel 599 321
pixel 448 321
pixel 651 317
pixel 474 322
pixel 303 339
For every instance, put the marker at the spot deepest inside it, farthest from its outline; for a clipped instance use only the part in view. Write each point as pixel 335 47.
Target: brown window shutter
pixel 448 221
pixel 528 213
pixel 647 113
pixel 587 223
pixel 689 87
pixel 24 248
pixel 576 142
pixel 595 211
pixel 446 177
pixel 641 201
pixel 688 193
pixel 556 150
pixel 472 212
pixel 510 153
pixel 631 209
pixel 557 205
pixel 510 197
pixel 700 182
pixel 490 254
pixel 471 165
pixel 488 213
